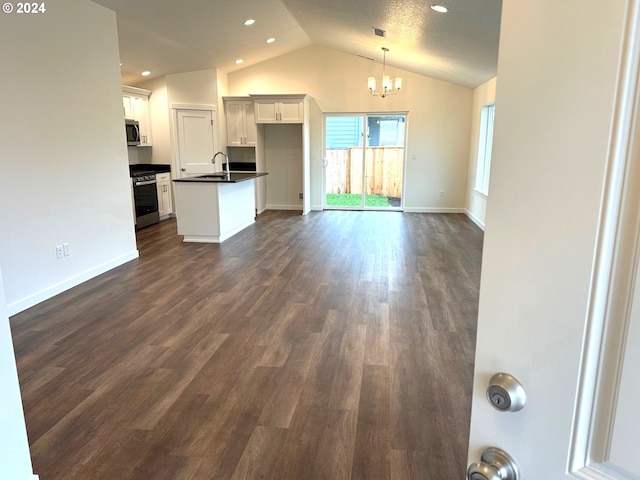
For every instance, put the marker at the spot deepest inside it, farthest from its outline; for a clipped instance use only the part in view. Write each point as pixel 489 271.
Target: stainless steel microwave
pixel 133 132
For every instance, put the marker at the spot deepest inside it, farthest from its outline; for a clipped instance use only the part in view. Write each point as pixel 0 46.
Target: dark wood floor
pixel 338 345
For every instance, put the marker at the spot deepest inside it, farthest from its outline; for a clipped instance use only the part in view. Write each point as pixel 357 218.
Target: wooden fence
pixel 383 165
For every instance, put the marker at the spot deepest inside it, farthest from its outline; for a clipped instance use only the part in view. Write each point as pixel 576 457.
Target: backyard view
pixel 364 174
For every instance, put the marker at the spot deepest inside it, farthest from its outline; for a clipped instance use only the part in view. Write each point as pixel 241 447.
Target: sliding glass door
pixel 364 161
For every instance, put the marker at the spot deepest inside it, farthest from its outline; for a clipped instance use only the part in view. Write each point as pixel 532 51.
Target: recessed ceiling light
pixel 249 21
pixel 439 8
pixel 271 40
pixel 146 73
pixel 239 61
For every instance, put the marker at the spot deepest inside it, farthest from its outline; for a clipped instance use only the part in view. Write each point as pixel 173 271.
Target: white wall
pixel 63 154
pixel 439 121
pixel 476 201
pixel 554 101
pixel 15 460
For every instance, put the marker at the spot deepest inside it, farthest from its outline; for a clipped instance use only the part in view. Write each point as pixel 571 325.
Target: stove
pixel 143 176
pixel 145 198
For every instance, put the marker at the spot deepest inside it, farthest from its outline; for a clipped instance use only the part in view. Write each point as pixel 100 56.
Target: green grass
pixel 354 200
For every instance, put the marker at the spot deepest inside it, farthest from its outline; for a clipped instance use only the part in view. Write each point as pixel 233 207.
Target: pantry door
pixel 195 144
pixel 364 161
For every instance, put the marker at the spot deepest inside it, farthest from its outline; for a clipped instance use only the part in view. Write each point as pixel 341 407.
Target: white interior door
pixel 195 141
pixel 558 303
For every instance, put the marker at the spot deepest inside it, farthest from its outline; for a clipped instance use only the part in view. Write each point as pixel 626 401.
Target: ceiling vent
pixel 379 32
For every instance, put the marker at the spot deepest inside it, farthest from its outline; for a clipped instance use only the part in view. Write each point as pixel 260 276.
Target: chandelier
pixel 387 87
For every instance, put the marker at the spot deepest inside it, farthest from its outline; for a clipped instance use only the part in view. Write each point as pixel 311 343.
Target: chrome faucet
pixel 213 160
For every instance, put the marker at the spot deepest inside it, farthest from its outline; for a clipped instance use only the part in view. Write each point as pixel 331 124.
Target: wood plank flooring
pixel 338 345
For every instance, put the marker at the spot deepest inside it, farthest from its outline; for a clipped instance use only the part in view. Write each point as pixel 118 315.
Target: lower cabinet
pixel 165 205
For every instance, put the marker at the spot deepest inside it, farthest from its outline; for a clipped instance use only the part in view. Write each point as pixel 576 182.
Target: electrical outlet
pixel 59 252
pixel 300 196
pixel 65 248
pixel 442 193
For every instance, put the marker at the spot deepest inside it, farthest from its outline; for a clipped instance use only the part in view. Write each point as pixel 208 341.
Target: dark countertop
pixel 234 177
pixel 150 167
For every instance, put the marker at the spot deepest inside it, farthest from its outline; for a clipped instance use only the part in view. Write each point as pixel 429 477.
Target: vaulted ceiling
pixel 169 36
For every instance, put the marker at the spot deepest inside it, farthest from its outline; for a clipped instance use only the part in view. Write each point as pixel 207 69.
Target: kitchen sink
pixel 213 175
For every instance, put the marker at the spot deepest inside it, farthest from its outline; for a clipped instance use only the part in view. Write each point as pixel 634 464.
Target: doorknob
pixel 495 464
pixel 183 169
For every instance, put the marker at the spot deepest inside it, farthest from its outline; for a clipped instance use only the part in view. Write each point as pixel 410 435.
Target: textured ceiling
pixel 167 36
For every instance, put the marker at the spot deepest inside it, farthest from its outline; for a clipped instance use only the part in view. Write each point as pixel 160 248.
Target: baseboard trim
pixel 53 290
pixel 284 207
pixel 475 219
pixel 433 210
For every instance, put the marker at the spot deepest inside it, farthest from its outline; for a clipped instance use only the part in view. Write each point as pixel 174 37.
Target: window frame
pixel 485 148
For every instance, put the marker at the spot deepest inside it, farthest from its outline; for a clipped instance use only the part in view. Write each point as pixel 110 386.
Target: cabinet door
pixel 127 105
pixel 291 111
pixel 250 130
pixel 165 206
pixel 141 114
pixel 266 111
pixel 235 113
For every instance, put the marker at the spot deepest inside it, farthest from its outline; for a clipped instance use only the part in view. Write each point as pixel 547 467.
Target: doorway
pixel 364 161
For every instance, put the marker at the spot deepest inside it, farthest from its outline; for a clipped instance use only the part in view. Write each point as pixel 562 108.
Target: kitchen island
pixel 211 208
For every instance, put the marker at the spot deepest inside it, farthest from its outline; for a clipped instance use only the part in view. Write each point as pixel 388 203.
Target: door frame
pixel 175 108
pixel 613 274
pixel 363 207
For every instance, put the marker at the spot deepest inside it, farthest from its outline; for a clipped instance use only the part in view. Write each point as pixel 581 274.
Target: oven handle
pixel 139 184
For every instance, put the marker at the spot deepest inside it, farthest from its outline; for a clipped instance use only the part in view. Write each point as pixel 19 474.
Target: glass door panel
pixel 343 161
pixel 364 161
pixel 384 161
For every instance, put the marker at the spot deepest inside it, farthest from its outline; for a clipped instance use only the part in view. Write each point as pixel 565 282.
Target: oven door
pixel 145 197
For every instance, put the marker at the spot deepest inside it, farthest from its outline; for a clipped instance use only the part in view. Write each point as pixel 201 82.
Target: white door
pixel 560 248
pixel 195 141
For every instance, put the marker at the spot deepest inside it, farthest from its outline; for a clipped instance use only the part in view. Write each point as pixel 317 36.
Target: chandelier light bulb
pixel 388 87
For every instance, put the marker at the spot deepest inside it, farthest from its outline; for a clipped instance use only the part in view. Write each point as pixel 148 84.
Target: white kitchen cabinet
pixel 165 205
pixel 241 122
pixel 281 109
pixel 135 102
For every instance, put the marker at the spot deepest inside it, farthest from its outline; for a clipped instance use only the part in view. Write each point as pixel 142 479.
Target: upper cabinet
pixel 241 122
pixel 135 102
pixel 279 109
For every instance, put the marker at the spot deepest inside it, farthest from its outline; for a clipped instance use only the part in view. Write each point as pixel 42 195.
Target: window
pixel 485 145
